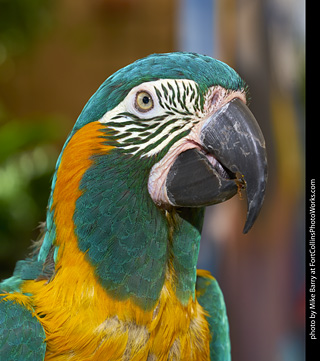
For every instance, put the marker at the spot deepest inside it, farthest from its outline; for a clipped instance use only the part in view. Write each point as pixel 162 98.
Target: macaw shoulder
pixel 210 297
pixel 22 337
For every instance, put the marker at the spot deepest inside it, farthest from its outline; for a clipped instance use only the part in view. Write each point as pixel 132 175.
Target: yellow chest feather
pixel 84 323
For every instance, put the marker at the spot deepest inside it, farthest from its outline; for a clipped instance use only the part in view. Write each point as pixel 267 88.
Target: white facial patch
pixel 176 109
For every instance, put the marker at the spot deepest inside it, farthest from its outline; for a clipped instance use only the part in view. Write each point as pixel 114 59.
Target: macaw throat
pixel 129 241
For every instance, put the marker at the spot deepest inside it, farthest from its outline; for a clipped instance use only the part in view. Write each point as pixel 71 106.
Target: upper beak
pixel 232 157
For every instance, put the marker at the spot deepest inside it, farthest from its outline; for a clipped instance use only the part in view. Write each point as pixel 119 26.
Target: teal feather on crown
pixel 202 69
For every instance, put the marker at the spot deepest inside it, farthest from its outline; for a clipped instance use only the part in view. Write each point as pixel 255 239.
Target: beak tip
pixel 251 218
pixel 254 206
pixel 247 228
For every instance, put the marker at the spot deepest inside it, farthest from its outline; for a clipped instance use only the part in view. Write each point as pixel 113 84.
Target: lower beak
pixel 232 157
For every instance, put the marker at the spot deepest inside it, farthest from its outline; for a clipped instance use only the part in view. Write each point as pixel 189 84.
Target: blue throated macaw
pixel 114 276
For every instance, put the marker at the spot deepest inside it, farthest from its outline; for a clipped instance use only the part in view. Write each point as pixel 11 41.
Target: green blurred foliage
pixel 28 146
pixel 21 23
pixel 28 153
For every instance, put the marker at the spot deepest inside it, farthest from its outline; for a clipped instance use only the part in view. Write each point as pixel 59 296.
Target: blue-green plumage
pixel 211 299
pixel 131 260
pixel 22 338
pixel 122 248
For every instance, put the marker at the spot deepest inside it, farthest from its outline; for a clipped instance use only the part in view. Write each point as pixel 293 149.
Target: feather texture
pixel 211 299
pixel 21 334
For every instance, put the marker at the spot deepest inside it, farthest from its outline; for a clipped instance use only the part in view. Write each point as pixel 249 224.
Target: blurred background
pixel 55 54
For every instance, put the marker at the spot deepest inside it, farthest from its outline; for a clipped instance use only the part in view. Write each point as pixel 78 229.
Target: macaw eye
pixel 144 101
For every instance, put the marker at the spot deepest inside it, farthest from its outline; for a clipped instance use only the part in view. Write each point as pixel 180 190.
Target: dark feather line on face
pixel 154 134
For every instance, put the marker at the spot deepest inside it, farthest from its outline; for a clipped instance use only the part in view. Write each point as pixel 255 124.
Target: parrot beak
pixel 231 157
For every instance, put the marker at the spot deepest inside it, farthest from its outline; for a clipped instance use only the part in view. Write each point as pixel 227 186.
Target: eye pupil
pixel 145 100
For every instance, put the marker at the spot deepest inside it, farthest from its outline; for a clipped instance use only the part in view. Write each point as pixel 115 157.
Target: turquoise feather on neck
pixel 127 238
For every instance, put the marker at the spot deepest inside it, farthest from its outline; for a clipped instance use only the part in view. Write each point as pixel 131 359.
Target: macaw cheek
pixel 234 140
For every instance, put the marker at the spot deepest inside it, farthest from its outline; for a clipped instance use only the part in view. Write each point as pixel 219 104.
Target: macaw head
pixel 184 117
pixel 166 135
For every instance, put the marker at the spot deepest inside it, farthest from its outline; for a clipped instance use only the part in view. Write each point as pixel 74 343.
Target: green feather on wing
pixel 22 337
pixel 210 297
